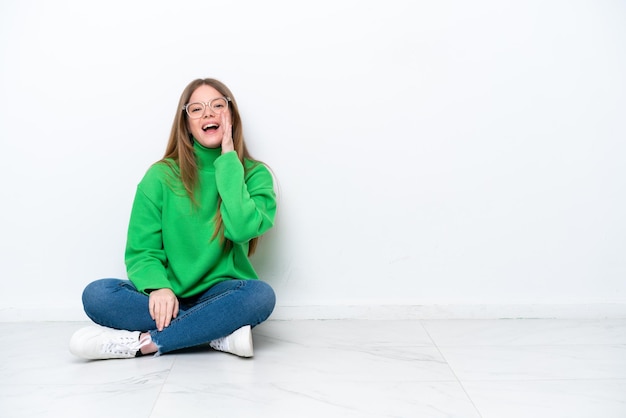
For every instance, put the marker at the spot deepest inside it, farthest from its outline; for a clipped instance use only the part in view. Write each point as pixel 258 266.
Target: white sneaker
pixel 99 343
pixel 238 343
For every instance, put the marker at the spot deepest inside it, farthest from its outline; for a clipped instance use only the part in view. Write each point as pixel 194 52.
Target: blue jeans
pixel 219 311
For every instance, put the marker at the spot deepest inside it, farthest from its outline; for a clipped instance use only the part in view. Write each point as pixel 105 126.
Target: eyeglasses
pixel 196 110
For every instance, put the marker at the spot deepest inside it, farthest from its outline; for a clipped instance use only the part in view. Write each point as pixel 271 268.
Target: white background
pixel 428 153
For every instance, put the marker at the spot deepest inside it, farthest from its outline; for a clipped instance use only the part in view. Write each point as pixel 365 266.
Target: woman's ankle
pixel 148 348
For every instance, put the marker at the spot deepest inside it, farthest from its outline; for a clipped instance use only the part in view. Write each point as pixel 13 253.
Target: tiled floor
pixel 428 368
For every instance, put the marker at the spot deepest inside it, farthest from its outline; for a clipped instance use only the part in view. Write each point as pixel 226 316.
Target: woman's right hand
pixel 163 305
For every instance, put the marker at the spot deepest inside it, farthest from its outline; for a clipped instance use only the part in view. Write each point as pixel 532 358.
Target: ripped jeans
pixel 218 312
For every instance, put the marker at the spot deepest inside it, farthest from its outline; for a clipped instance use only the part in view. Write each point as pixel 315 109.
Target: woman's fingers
pixel 163 307
pixel 227 136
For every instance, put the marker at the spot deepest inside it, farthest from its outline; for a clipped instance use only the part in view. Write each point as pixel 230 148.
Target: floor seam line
pixel 451 369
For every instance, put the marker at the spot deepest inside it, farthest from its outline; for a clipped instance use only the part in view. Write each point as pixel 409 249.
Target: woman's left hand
pixel 163 305
pixel 227 138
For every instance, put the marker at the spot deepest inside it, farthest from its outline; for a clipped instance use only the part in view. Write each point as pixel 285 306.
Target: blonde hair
pixel 180 148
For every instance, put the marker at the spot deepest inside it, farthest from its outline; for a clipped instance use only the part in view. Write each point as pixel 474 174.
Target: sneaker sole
pixel 242 342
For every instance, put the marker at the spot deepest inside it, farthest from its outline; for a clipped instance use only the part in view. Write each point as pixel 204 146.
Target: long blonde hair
pixel 180 147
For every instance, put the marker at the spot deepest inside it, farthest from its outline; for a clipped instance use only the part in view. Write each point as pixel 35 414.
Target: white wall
pixel 429 153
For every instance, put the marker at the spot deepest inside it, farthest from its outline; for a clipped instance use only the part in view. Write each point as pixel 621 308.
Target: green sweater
pixel 169 238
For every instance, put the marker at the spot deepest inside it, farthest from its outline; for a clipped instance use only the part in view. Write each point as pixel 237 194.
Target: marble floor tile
pixel 537 362
pixel 79 401
pixel 317 398
pixel 549 398
pixel 343 368
pixel 286 351
pixel 347 333
pixel 469 332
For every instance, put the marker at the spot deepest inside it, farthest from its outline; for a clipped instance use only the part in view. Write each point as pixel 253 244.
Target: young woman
pixel 196 218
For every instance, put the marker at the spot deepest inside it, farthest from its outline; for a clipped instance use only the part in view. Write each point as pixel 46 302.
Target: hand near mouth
pixel 227 138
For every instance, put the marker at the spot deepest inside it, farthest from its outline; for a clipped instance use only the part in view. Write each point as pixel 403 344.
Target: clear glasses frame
pixel 197 109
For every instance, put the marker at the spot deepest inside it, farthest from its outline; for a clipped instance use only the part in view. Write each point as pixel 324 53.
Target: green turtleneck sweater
pixel 170 242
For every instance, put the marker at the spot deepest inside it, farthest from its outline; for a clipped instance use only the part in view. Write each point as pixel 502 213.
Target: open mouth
pixel 210 127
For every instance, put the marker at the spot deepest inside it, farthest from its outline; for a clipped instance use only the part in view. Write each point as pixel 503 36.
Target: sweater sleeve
pixel 248 199
pixel 145 257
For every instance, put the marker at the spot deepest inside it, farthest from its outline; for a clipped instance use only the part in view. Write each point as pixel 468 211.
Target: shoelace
pixel 126 346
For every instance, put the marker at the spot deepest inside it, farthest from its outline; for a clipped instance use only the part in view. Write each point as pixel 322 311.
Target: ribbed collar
pixel 205 157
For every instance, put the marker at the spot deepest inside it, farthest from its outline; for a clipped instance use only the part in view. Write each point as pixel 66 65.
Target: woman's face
pixel 207 129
